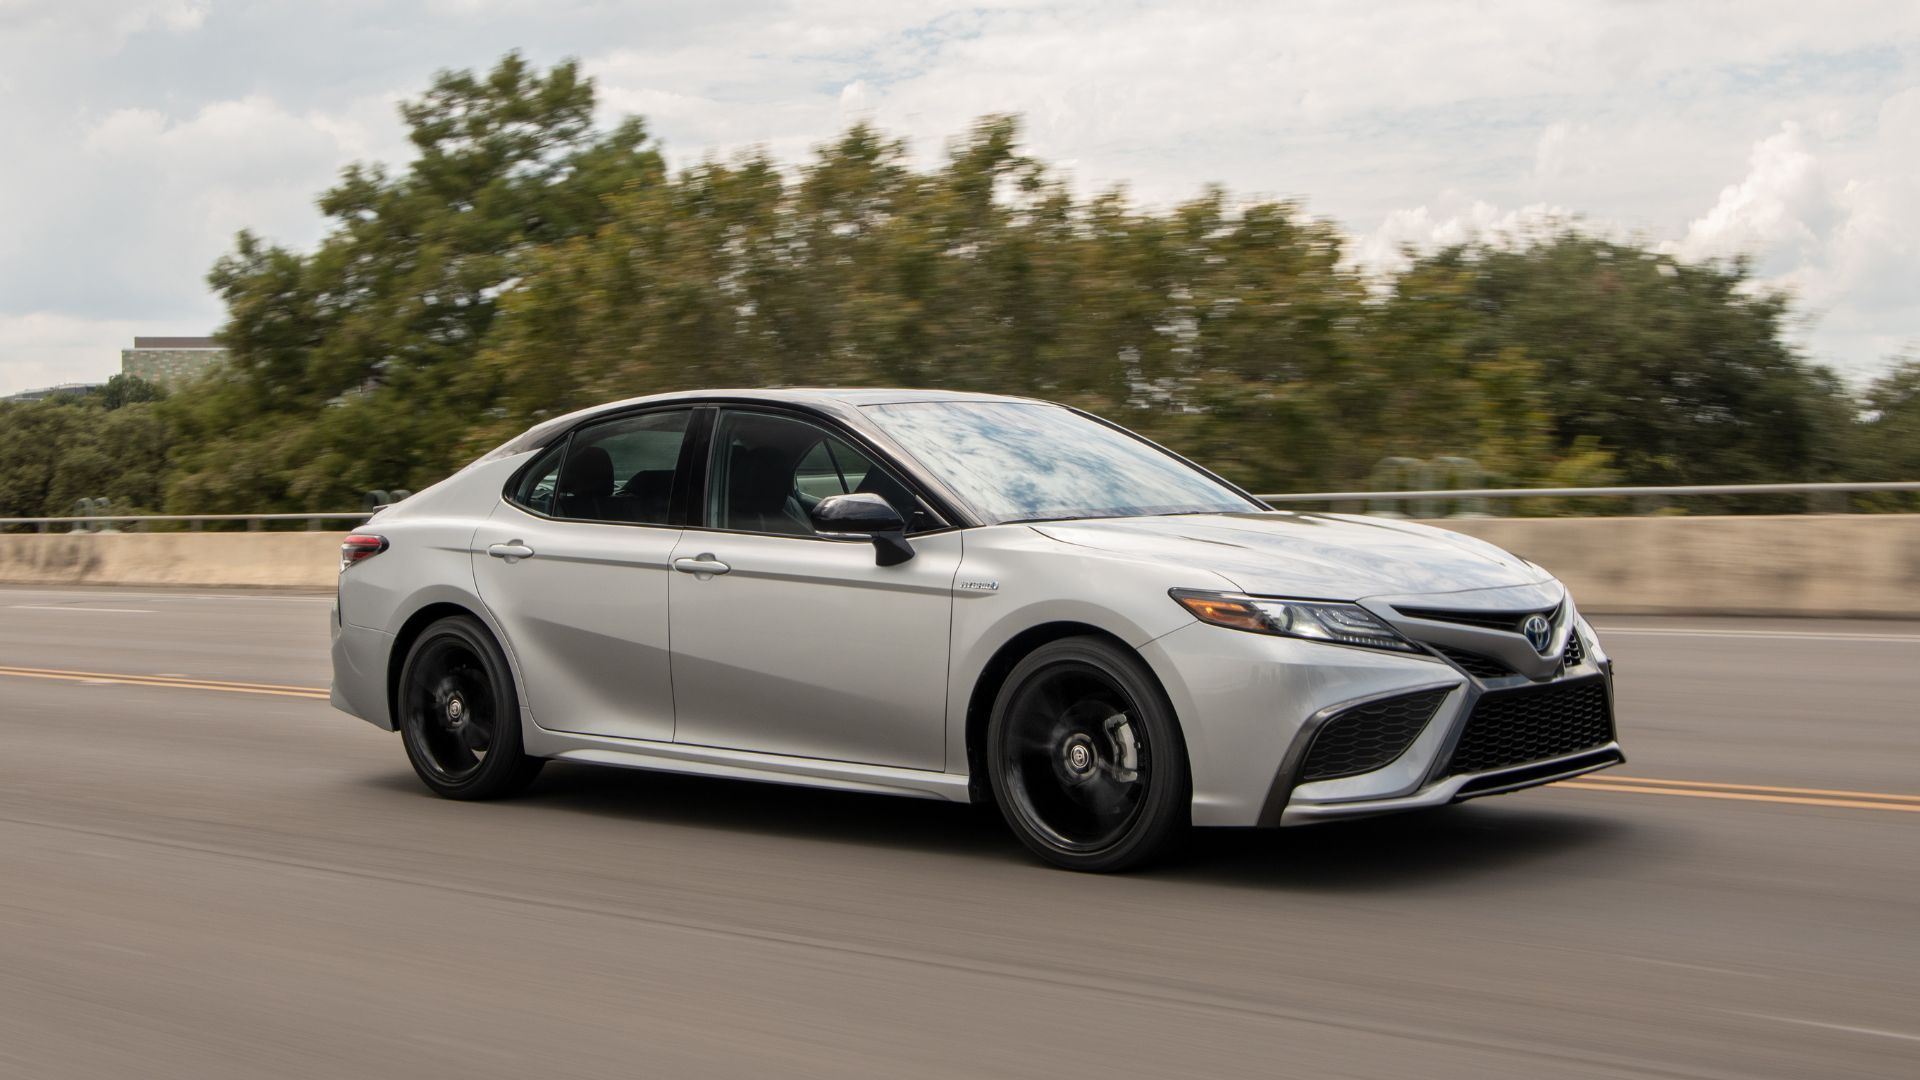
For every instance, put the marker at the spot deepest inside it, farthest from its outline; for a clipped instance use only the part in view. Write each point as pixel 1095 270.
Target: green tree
pixel 59 450
pixel 1678 369
pixel 527 264
pixel 351 366
pixel 122 390
pixel 1888 444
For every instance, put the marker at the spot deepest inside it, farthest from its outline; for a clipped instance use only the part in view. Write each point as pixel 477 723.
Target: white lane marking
pixel 243 596
pixel 1776 635
pixel 70 607
pixel 1694 967
pixel 1849 1028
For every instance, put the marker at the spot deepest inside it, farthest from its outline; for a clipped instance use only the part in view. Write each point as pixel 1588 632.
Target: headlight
pixel 1314 620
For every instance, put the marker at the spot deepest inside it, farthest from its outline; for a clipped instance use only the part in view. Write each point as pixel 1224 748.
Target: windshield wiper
pixel 1062 517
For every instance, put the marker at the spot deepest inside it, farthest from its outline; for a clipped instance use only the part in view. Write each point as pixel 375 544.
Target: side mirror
pixel 864 514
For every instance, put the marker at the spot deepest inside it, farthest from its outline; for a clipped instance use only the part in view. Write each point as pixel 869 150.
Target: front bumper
pixel 1251 704
pixel 1304 810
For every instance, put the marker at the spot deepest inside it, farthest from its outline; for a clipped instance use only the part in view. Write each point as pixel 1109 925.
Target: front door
pixel 574 564
pixel 788 643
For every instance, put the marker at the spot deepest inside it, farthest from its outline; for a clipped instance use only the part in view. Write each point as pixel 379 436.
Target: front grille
pixel 1368 736
pixel 1474 664
pixel 1508 621
pixel 1514 727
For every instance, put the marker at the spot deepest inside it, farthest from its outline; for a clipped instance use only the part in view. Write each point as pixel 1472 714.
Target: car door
pixel 574 566
pixel 785 642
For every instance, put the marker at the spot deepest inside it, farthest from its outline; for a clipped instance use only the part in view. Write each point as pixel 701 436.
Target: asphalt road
pixel 211 881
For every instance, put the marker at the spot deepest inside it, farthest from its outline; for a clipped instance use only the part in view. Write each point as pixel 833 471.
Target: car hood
pixel 1321 556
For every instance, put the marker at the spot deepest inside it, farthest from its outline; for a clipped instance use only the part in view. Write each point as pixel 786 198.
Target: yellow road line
pixel 1716 786
pixel 10 669
pixel 1697 789
pixel 1851 804
pixel 311 693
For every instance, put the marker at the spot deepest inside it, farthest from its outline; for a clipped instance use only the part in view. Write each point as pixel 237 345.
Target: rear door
pixel 786 642
pixel 574 565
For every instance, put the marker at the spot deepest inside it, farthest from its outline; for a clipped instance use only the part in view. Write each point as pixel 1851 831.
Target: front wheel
pixel 1085 757
pixel 459 715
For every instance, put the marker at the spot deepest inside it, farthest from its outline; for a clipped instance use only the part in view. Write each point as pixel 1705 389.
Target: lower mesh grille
pixel 1366 737
pixel 1514 727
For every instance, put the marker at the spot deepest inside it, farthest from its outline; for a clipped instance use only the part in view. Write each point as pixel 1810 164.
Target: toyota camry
pixel 953 596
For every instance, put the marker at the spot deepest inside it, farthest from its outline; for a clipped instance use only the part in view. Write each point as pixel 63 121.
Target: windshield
pixel 1027 461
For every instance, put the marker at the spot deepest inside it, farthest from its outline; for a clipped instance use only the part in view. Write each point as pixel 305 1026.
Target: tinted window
pixel 535 487
pixel 830 468
pixel 622 470
pixel 769 472
pixel 1021 461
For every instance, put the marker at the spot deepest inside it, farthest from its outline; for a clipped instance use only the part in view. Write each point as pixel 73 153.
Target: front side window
pixel 622 469
pixel 768 472
pixel 1028 461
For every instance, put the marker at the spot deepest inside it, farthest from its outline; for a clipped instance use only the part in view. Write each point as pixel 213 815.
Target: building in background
pixel 44 392
pixel 171 361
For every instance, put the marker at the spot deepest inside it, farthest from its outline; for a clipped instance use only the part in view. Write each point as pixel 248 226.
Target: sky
pixel 140 135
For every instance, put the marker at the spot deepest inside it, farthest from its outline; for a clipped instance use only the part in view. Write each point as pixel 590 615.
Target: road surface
pixel 207 872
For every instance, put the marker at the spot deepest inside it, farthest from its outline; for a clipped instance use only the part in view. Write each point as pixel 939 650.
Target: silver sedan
pixel 952 596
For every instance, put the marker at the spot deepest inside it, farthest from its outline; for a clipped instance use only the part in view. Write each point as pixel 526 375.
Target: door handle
pixel 510 551
pixel 705 565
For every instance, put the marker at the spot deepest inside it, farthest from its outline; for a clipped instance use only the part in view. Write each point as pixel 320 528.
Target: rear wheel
pixel 1085 757
pixel 459 715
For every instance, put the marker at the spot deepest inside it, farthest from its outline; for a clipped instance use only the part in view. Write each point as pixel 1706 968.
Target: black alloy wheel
pixel 1086 761
pixel 459 716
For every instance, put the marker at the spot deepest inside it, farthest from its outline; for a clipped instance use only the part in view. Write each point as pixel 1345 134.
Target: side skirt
pixel 743 765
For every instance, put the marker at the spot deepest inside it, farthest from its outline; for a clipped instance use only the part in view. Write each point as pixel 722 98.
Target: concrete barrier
pixel 1835 565
pixel 1864 565
pixel 285 560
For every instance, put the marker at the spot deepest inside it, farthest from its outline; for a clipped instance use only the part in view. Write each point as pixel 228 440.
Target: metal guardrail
pixel 1584 492
pixel 255 522
pixel 1482 495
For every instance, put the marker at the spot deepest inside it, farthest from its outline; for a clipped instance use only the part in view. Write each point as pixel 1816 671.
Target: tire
pixel 459 716
pixel 1086 758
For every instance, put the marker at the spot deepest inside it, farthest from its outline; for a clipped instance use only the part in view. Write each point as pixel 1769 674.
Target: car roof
pixel 830 398
pixel 845 395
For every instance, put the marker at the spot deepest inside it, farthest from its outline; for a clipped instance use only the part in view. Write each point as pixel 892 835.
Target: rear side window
pixel 536 485
pixel 620 470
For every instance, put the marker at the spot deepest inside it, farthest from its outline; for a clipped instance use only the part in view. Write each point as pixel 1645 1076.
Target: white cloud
pixel 1385 249
pixel 1783 209
pixel 1837 227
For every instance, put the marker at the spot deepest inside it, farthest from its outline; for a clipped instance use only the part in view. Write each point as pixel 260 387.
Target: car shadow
pixel 1472 841
pixel 780 810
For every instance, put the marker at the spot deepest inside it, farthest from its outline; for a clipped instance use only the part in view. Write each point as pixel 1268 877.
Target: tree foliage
pixel 527 263
pixel 1889 438
pixel 348 364
pixel 110 443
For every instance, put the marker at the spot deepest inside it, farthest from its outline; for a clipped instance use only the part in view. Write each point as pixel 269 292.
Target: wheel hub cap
pixel 1078 757
pixel 456 711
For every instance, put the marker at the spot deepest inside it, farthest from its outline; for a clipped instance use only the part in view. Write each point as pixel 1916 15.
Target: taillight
pixel 360 547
